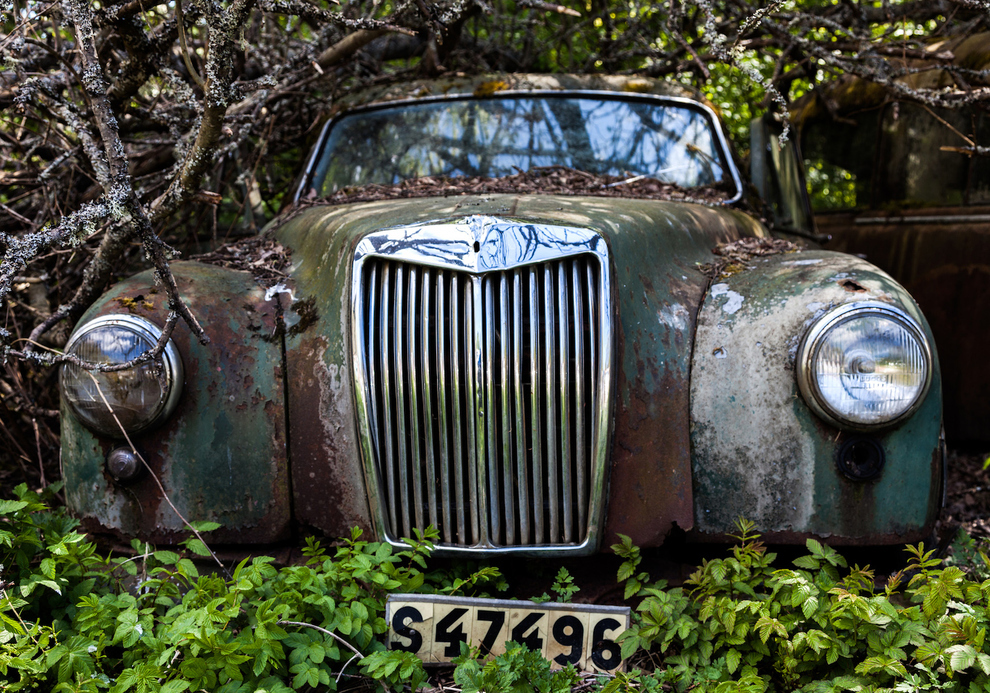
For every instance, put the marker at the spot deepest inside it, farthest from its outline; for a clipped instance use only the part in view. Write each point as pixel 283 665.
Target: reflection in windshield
pixel 499 137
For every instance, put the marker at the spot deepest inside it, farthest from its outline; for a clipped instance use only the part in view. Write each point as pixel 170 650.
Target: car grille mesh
pixel 481 393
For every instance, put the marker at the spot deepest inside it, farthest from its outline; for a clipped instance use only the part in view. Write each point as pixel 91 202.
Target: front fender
pixel 221 456
pixel 759 452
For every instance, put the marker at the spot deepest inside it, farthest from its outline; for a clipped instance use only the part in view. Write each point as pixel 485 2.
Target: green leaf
pixel 194 668
pixel 344 620
pixel 850 683
pixel 188 568
pixel 629 647
pixel 383 552
pixel 47 568
pixel 166 557
pixel 360 610
pixel 807 562
pixel 8 507
pixel 962 657
pixel 315 652
pixel 766 626
pixel 198 547
pixel 732 659
pixel 175 686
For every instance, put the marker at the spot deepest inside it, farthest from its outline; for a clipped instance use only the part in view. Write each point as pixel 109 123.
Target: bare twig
pixel 41 461
pixel 549 7
pixel 974 150
pixel 347 46
pixel 185 48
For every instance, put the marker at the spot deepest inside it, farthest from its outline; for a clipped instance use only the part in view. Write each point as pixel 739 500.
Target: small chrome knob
pixel 123 464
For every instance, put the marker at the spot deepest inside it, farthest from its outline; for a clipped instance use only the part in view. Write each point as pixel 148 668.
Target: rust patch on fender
pixel 650 478
pixel 327 476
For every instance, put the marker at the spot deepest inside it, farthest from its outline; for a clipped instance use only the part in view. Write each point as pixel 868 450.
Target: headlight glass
pixel 139 397
pixel 864 365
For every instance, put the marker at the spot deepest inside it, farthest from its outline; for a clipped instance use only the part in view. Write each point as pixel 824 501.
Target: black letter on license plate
pixel 411 614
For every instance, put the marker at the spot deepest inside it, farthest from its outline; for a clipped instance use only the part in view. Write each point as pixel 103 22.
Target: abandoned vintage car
pixel 529 373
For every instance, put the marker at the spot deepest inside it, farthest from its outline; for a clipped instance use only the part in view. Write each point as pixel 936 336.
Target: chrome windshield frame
pixel 725 150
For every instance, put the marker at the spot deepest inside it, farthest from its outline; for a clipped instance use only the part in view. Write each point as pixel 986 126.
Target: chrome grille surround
pixel 484 277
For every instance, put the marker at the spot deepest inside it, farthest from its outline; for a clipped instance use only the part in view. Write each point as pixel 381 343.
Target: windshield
pixel 496 137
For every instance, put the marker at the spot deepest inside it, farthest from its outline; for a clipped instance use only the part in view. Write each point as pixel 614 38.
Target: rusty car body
pixel 529 373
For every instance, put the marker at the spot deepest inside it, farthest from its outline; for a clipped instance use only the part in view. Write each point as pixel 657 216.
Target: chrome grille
pixel 480 394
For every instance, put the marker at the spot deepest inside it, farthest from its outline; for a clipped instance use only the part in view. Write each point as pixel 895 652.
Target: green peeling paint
pixel 758 450
pixel 221 456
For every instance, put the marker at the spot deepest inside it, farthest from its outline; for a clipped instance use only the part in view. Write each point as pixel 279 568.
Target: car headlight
pixel 140 397
pixel 864 365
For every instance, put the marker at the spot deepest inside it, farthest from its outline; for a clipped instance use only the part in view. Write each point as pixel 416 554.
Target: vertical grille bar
pixel 579 404
pixel 550 371
pixel 519 401
pixel 388 403
pixel 448 486
pixel 428 335
pixel 479 411
pixel 508 496
pixel 400 398
pixel 536 405
pixel 593 323
pixel 412 350
pixel 564 362
pixel 491 409
pixel 457 339
pixel 371 325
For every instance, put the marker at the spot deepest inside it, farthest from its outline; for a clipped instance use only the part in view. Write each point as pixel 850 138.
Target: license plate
pixel 433 628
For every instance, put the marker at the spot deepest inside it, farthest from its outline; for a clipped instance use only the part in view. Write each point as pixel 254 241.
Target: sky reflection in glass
pixel 498 137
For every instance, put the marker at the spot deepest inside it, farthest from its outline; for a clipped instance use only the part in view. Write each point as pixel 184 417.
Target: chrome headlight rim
pixel 171 365
pixel 814 339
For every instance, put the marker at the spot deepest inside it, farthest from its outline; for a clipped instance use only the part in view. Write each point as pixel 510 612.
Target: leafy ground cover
pixel 72 619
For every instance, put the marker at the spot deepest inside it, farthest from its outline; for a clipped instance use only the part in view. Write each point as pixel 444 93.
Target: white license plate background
pixel 432 627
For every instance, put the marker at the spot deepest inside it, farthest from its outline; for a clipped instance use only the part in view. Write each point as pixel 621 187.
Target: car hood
pixel 656 249
pixel 657 235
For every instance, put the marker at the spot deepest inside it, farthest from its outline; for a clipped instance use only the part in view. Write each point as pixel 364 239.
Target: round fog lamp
pixel 864 365
pixel 133 399
pixel 123 464
pixel 861 459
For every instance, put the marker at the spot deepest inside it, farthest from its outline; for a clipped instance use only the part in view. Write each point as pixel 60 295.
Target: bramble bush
pixel 739 624
pixel 72 620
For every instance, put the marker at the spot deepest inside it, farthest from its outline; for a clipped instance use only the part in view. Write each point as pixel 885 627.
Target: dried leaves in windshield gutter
pixel 551 180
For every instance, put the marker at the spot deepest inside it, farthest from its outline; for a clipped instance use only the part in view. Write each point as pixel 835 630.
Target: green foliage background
pixel 74 620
